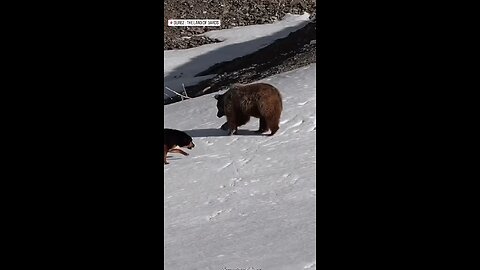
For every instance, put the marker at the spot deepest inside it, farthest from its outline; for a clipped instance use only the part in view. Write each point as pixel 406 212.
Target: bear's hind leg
pixel 273 125
pixel 263 125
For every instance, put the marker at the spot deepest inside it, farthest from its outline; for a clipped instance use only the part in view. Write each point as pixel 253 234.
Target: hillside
pixel 232 13
pixel 245 54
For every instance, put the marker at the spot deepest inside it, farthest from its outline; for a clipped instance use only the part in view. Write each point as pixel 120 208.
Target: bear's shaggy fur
pixel 259 100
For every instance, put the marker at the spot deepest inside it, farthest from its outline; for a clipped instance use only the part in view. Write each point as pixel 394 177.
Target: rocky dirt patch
pixel 232 13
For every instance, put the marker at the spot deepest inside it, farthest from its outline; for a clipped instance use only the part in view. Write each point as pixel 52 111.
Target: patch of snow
pixel 244 200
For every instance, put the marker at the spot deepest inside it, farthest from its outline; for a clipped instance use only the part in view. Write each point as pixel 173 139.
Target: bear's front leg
pixel 232 130
pixel 229 129
pixel 224 126
pixel 232 124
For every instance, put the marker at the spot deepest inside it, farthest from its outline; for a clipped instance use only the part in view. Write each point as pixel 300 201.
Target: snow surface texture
pixel 244 201
pixel 180 66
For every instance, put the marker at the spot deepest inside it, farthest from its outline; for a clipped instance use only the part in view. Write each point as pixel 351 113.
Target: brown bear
pixel 260 100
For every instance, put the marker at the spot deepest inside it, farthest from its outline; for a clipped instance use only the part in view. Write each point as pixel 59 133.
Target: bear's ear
pixel 216 96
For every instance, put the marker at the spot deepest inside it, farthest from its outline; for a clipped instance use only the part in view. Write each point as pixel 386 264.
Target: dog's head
pixel 185 141
pixel 220 105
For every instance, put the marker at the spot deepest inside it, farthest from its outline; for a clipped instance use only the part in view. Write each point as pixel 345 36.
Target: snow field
pixel 244 200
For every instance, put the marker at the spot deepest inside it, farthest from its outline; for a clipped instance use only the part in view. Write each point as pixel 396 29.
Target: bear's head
pixel 220 105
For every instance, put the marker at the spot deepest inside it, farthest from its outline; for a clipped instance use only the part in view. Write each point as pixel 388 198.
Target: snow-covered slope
pixel 180 66
pixel 244 200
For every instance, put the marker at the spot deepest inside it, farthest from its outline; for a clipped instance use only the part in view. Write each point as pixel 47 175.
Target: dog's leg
pixel 165 151
pixel 176 150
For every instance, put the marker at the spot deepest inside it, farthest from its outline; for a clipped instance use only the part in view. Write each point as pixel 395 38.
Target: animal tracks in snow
pixel 289 176
pixel 224 166
pixel 232 141
pixel 244 161
pixel 217 213
pixel 296 127
pixel 298 123
pixel 210 156
pixel 295 179
pixel 311 265
pixel 304 102
pixel 225 198
pixel 235 181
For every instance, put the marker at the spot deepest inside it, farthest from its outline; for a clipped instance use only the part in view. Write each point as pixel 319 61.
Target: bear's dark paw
pixel 224 126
